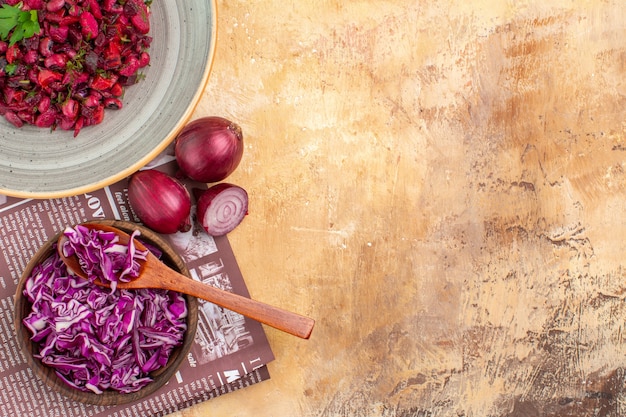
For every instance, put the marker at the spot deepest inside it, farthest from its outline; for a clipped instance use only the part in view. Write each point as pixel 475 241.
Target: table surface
pixel 441 185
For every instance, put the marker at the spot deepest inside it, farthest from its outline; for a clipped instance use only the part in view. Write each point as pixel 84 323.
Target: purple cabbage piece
pixel 97 339
pixel 102 256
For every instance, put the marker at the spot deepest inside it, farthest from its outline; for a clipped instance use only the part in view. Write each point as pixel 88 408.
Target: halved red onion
pixel 221 208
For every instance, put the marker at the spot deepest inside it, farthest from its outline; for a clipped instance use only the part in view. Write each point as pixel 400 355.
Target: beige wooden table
pixel 442 185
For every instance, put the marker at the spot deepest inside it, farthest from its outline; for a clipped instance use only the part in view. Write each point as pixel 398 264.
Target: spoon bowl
pixel 155 274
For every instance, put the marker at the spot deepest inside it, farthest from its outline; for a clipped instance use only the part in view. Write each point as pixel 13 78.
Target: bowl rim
pixel 167 140
pixel 107 398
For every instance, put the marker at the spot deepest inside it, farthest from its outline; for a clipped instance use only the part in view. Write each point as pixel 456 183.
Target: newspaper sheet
pixel 230 352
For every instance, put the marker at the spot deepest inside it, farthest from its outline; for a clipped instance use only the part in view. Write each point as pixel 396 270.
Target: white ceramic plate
pixel 38 163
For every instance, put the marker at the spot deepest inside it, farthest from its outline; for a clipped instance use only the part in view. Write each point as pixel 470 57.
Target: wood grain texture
pixel 441 185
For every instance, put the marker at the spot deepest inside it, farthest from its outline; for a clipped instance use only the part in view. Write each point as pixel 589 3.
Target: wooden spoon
pixel 155 274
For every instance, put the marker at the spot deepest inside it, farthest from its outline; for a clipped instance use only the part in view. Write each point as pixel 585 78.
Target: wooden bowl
pixel 161 376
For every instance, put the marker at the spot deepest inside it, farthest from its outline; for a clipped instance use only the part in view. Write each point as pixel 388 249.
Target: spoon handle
pixel 278 318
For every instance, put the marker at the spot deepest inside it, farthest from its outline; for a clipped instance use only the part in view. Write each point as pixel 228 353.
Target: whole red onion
pixel 161 202
pixel 209 149
pixel 221 208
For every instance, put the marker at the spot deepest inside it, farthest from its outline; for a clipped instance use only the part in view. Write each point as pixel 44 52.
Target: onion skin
pixel 221 208
pixel 161 202
pixel 209 149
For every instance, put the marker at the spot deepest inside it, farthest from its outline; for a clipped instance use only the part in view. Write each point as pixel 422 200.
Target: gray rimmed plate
pixel 39 163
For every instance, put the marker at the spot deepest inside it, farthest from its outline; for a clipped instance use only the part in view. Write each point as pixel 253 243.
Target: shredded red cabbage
pixel 101 255
pixel 97 339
